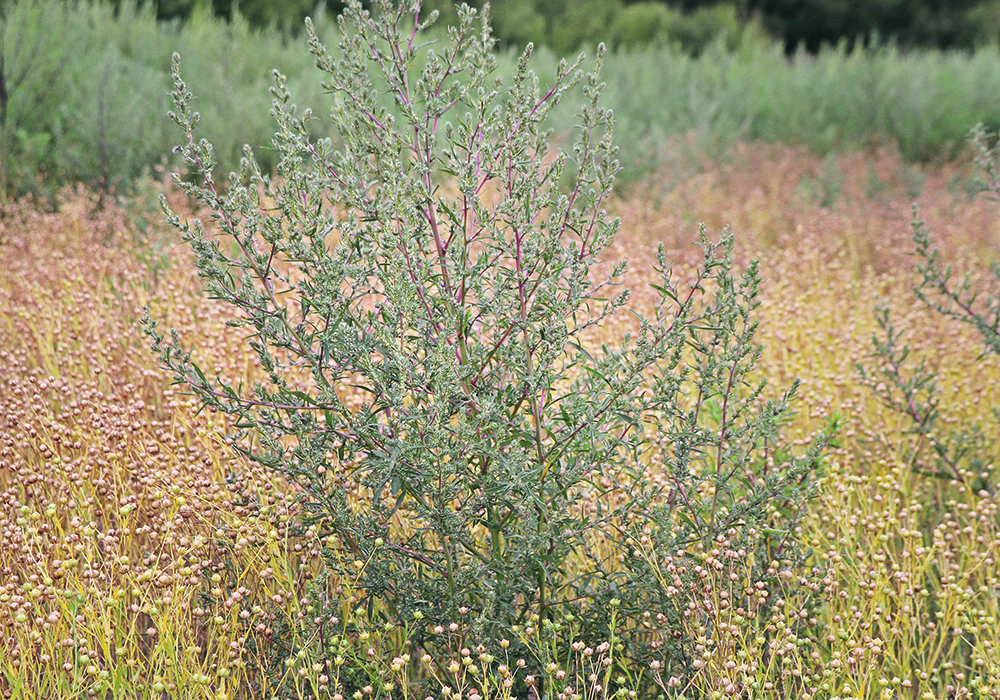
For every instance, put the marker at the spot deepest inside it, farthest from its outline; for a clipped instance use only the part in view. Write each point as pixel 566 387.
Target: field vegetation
pixel 150 549
pixel 87 85
pixel 140 558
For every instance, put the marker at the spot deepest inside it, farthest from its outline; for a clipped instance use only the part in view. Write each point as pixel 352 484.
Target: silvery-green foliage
pixel 420 291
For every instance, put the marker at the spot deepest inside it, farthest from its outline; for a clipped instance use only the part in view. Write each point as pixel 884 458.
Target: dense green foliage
pixel 86 88
pixel 565 24
pixel 940 23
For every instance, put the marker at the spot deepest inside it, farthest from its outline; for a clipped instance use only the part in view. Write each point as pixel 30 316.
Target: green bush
pixel 87 86
pixel 695 30
pixel 34 47
pixel 518 22
pixel 580 23
pixel 981 25
pixel 419 296
pixel 642 23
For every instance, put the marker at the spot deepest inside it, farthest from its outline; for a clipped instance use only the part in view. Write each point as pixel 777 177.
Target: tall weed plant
pixel 420 291
pixel 953 454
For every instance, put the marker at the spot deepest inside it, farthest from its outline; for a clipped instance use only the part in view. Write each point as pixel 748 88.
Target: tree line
pixel 565 25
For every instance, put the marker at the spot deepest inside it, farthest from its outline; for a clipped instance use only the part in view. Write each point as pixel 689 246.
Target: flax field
pixel 139 558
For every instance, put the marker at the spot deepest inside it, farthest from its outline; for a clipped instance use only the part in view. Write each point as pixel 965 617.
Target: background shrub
pixel 86 87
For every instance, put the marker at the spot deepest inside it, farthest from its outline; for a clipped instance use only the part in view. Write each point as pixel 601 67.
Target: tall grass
pixel 88 93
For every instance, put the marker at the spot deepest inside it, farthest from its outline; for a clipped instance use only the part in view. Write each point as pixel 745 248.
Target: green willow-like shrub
pixel 420 293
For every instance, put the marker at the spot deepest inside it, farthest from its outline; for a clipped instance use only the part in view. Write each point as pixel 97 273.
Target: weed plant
pixel 960 455
pixel 419 293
